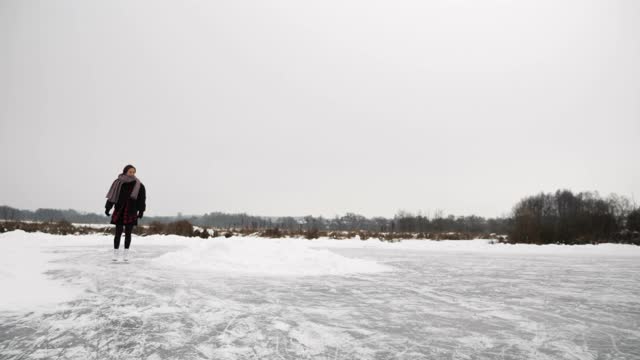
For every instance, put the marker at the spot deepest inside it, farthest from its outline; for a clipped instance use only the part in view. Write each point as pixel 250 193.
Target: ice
pixel 63 297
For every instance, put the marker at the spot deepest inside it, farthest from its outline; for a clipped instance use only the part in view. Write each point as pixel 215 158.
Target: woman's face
pixel 131 171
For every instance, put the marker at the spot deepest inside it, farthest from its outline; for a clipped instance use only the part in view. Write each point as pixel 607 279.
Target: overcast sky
pixel 318 107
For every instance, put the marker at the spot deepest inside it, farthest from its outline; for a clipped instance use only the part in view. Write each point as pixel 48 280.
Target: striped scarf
pixel 114 191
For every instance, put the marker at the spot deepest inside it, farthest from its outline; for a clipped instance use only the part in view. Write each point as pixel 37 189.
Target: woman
pixel 128 195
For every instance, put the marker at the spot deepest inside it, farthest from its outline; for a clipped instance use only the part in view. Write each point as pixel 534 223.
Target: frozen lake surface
pixel 252 298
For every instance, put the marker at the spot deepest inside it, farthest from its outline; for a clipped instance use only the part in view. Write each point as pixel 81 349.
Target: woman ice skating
pixel 128 195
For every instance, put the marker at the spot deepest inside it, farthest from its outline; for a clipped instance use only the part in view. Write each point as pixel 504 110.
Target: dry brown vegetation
pixel 62 227
pixel 185 228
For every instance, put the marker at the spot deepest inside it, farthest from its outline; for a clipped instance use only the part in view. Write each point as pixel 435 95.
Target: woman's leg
pixel 116 239
pixel 127 235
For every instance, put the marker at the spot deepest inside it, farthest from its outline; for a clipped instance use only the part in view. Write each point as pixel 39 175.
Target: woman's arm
pixel 142 199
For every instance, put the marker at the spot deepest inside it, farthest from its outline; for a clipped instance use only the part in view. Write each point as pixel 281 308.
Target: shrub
pixel 312 233
pixel 272 233
pixel 180 227
pixel 155 227
pixel 63 227
pixel 204 233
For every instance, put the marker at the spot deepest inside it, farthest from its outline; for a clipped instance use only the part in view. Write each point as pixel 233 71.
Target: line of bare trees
pixel 560 217
pixel 568 218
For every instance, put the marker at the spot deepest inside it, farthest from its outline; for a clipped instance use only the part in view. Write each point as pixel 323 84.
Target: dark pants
pixel 127 235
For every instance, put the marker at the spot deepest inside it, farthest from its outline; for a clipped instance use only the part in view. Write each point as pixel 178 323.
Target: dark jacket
pixel 137 205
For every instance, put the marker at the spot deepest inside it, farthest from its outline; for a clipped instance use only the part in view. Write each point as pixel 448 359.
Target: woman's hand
pixel 140 214
pixel 107 207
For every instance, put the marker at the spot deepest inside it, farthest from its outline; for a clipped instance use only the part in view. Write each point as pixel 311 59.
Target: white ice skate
pixel 125 255
pixel 116 252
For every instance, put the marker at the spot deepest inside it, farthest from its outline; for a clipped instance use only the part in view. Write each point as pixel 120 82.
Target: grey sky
pixel 318 107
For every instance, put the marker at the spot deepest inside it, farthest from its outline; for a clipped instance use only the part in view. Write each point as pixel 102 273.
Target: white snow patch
pixel 252 255
pixel 23 281
pixel 482 246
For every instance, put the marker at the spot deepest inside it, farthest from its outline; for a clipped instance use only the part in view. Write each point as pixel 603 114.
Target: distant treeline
pixel 402 222
pixel 565 217
pixel 560 217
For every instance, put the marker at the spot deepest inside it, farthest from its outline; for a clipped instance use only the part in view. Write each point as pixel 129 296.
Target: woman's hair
pixel 126 168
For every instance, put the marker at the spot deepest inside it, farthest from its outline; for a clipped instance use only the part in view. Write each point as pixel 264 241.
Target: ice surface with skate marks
pixel 182 298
